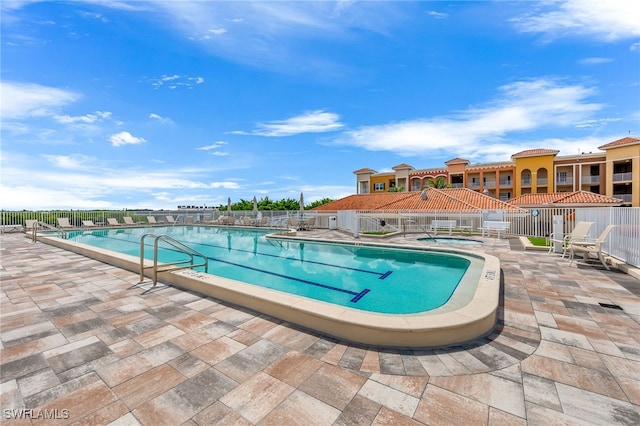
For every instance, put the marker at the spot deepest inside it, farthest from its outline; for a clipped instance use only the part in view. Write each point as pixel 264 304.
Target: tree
pixel 438 183
pixel 396 189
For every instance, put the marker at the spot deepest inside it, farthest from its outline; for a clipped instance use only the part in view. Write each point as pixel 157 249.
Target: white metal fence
pixel 623 243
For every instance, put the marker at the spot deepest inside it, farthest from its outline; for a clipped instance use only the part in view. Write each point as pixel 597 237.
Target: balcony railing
pixel 591 179
pixel 506 183
pixel 564 180
pixel 542 181
pixel 525 182
pixel 490 184
pixel 619 177
pixel 624 197
pixel 474 185
pixel 457 185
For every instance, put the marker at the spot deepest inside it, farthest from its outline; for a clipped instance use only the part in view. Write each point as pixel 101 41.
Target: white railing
pixel 590 179
pixel 623 244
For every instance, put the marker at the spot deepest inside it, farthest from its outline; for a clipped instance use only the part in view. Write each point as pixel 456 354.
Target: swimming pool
pixel 376 279
pixel 352 298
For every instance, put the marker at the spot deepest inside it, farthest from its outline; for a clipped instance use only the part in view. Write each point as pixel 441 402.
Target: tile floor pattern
pixel 78 343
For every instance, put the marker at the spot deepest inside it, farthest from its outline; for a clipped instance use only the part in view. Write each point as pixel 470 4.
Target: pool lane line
pixel 355 299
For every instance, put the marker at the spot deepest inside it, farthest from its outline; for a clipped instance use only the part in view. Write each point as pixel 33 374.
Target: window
pixel 378 186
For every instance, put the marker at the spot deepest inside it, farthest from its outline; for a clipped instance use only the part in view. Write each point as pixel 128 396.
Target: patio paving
pixel 80 345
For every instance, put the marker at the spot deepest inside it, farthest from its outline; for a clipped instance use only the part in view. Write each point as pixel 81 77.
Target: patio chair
pixel 170 219
pixel 63 222
pixel 89 224
pixel 581 232
pixel 112 221
pixel 588 248
pixel 129 221
pixel 152 221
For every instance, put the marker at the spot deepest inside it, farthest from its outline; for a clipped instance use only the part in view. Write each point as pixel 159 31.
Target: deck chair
pixel 29 224
pixel 594 248
pixel 63 222
pixel 128 220
pixel 152 220
pixel 111 221
pixel 581 232
pixel 88 224
pixel 170 219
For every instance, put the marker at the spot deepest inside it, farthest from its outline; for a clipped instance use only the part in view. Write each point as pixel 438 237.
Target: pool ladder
pixel 171 266
pixel 38 225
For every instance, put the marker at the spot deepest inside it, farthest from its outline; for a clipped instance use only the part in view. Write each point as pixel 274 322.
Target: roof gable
pixel 629 140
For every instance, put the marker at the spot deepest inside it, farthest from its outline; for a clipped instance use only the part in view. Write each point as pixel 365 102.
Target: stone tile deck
pixel 79 344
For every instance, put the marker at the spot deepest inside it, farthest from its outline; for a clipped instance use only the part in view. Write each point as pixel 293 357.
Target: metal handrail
pixel 171 266
pixel 39 224
pixel 406 221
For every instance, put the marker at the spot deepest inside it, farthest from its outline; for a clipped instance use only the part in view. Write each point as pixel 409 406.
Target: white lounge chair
pixel 170 219
pixel 63 222
pixel 128 220
pixel 89 224
pixel 581 232
pixel 588 248
pixel 111 221
pixel 152 221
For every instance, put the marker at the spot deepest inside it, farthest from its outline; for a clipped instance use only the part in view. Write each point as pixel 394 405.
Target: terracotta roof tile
pixel 449 200
pixel 629 140
pixel 402 166
pixel 365 170
pixel 564 198
pixel 535 153
pixel 457 160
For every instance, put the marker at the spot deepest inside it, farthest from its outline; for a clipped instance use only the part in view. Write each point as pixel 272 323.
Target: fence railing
pixel 623 243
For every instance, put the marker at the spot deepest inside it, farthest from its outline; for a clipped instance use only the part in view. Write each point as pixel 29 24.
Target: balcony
pixel 526 182
pixel 490 184
pixel 588 180
pixel 624 197
pixel 457 185
pixel 474 185
pixel 542 181
pixel 506 183
pixel 564 180
pixel 621 177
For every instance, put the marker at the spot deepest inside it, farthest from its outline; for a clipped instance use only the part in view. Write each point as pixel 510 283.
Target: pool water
pixel 445 240
pixel 369 278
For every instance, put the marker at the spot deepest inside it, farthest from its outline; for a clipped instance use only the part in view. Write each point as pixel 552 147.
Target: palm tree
pixel 438 183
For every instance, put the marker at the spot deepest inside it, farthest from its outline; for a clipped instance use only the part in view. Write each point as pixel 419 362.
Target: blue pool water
pixel 450 240
pixel 369 278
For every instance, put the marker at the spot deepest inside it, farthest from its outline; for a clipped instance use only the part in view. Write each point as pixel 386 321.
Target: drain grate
pixel 610 306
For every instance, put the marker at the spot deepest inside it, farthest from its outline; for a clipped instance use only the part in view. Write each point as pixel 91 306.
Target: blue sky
pixel 150 104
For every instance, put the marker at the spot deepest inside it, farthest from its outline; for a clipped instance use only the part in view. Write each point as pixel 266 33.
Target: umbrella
pixel 301 205
pixel 229 206
pixel 255 206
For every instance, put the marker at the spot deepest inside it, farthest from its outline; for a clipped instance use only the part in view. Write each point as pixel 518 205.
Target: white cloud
pixel 437 15
pixel 309 122
pixel 595 61
pixel 175 81
pixel 84 119
pixel 215 145
pixel 163 120
pixel 125 138
pixel 607 20
pixel 522 106
pixel 24 100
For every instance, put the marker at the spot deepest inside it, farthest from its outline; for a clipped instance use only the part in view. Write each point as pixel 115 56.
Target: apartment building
pixel 613 171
